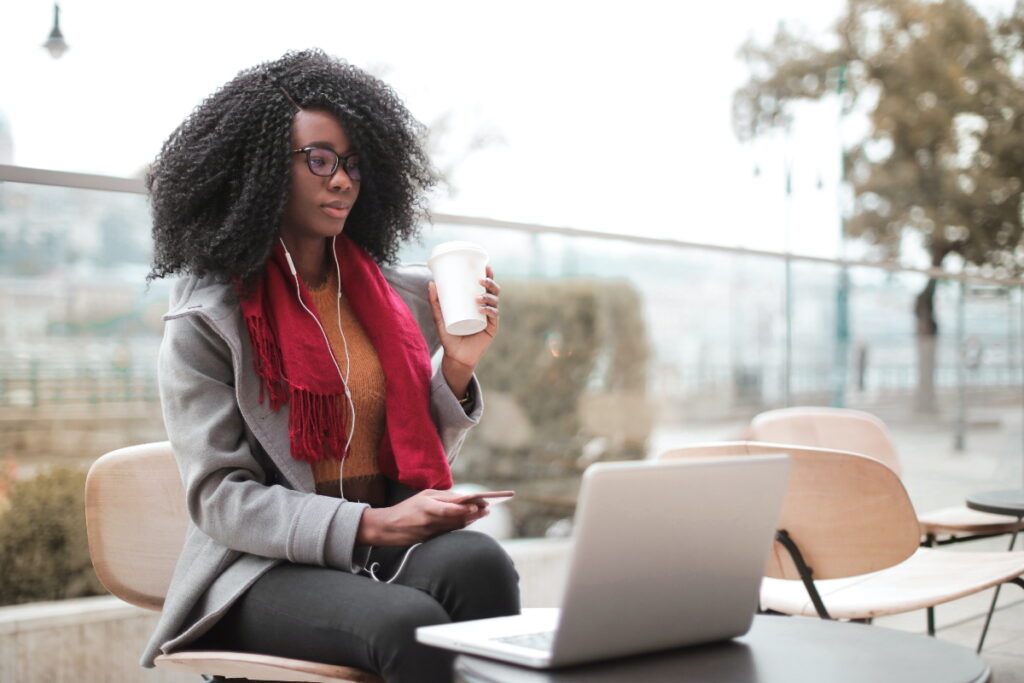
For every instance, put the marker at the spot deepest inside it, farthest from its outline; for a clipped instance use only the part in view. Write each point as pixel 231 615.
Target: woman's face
pixel 318 205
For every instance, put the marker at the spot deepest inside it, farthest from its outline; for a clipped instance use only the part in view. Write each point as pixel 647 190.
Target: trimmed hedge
pixel 44 554
pixel 565 385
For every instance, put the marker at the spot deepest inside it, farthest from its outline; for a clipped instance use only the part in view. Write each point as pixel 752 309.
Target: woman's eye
pixel 320 158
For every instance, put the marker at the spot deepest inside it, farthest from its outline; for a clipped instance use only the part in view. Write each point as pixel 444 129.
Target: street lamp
pixel 55 43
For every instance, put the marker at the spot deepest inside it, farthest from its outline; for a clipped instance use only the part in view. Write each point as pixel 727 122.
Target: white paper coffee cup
pixel 458 268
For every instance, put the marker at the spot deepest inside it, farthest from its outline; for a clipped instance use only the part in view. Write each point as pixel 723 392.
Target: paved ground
pixel 937 475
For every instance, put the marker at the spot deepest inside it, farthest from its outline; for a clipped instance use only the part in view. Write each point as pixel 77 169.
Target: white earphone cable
pixel 348 366
pixel 374 566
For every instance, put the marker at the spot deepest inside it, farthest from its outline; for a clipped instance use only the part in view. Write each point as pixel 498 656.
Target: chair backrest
pixel 836 428
pixel 136 520
pixel 848 514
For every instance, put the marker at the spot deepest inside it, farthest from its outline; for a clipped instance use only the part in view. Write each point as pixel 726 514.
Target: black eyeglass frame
pixel 338 161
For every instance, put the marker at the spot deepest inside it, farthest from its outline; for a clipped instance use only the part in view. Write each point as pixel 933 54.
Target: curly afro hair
pixel 219 186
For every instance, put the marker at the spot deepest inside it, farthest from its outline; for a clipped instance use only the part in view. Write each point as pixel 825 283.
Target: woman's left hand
pixel 461 354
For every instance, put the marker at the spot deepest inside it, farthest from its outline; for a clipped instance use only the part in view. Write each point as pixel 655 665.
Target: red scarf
pixel 295 363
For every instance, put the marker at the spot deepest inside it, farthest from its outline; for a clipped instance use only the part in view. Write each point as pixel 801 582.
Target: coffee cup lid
pixel 449 247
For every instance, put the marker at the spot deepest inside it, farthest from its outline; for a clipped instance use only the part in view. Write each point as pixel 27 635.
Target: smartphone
pixel 491 497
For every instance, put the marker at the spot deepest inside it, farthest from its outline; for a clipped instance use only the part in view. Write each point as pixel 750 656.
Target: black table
pixel 1004 502
pixel 776 650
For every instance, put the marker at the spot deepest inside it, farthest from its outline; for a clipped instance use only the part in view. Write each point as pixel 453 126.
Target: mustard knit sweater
pixel 358 476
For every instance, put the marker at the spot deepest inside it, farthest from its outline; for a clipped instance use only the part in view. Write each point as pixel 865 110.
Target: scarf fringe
pixel 316 426
pixel 267 359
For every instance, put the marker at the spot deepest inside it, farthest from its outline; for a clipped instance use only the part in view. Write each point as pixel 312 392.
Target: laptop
pixel 665 554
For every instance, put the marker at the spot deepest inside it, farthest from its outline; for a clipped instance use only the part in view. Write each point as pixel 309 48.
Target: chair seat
pixel 929 577
pixel 963 520
pixel 260 667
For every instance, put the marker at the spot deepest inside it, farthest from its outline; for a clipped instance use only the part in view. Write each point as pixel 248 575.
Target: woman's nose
pixel 340 179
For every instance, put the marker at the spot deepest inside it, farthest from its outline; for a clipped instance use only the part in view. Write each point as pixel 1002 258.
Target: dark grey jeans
pixel 331 616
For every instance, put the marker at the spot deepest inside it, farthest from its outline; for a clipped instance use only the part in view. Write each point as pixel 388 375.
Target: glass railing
pixel 611 346
pixel 687 343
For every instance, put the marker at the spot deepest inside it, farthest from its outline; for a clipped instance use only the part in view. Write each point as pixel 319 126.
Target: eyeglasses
pixel 324 162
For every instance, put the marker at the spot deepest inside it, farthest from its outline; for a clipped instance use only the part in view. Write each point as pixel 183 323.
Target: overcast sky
pixel 612 115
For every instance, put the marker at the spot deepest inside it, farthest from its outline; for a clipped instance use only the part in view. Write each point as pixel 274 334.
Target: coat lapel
pixel 217 303
pixel 269 426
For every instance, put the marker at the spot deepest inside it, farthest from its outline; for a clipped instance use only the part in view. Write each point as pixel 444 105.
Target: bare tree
pixel 944 155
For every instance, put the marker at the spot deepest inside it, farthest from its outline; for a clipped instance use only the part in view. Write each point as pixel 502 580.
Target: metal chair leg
pixel 988 619
pixel 929 542
pixel 995 599
pixel 806 573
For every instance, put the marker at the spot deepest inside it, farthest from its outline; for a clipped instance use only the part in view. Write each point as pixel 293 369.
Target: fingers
pixel 459 514
pixel 472 512
pixel 432 294
pixel 435 305
pixel 468 511
pixel 489 301
pixel 490 311
pixel 451 510
pixel 490 284
pixel 441 505
pixel 428 514
pixel 462 516
pixel 480 514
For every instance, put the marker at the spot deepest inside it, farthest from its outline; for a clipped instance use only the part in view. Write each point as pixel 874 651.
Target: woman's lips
pixel 336 210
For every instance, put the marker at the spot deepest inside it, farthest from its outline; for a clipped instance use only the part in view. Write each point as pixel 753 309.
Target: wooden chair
pixel 847 543
pixel 136 520
pixel 861 432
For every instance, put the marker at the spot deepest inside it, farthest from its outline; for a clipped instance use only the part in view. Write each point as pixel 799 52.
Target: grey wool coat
pixel 251 504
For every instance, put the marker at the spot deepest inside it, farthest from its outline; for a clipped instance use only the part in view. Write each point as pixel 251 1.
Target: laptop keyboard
pixel 537 641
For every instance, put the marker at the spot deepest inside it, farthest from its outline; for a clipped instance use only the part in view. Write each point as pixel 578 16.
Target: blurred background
pixel 697 211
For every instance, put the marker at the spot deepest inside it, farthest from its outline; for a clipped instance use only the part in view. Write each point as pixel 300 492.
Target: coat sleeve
pixel 226 488
pixel 453 421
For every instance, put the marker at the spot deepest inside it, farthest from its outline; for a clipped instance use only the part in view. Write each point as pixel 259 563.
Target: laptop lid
pixel 667 554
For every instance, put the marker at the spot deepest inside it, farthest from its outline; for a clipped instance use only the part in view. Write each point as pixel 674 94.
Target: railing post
pixel 960 424
pixel 787 363
pixel 841 370
pixel 33 381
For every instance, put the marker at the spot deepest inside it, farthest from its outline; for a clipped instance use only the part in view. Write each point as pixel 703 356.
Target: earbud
pixel 288 257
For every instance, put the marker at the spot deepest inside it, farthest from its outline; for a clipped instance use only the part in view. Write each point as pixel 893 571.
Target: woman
pixel 312 437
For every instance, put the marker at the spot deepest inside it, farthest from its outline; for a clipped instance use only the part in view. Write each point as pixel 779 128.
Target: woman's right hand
pixel 416 519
